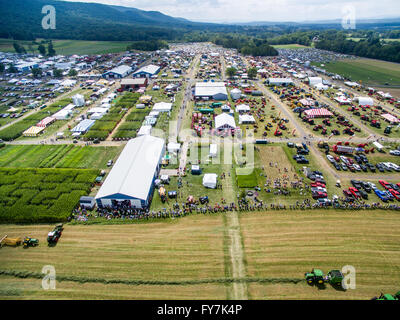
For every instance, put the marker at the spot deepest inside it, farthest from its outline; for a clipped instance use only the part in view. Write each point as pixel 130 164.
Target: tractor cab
pixel 316 276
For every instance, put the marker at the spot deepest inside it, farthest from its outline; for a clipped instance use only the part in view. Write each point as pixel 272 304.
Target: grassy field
pixel 187 249
pixel 289 46
pixel 282 245
pixel 277 245
pixel 70 47
pixel 57 156
pixel 372 72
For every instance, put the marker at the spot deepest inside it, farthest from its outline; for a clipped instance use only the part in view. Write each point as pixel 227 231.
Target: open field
pixel 70 47
pixel 186 249
pixel 289 46
pixel 163 260
pixel 287 245
pixel 371 72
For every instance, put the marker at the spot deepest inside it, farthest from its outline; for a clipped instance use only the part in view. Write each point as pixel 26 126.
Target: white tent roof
pixel 133 172
pixel 208 89
pixel 242 108
pixel 365 101
pixel 162 107
pixel 225 119
pixel 144 130
pixel 84 125
pixel 210 180
pixel 246 118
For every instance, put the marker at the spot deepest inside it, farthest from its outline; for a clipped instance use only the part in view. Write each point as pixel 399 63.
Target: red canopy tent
pixel 318 113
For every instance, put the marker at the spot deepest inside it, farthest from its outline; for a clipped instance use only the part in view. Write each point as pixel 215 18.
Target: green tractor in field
pixel 388 297
pixel 316 276
pixel 334 278
pixel 30 242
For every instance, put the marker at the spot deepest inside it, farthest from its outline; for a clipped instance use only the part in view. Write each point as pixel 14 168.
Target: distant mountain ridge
pixel 22 19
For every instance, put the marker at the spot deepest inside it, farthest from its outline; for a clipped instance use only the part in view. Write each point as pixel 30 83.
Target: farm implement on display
pixel 387 296
pixel 30 242
pixel 317 277
pixel 54 236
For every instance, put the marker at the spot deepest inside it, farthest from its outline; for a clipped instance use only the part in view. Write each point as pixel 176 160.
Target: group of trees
pixel 371 47
pixel 251 72
pixel 41 47
pixel 150 45
pixel 246 45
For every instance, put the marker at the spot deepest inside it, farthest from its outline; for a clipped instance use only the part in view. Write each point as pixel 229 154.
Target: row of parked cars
pixel 302 150
pixel 361 163
pixel 318 187
pixel 361 189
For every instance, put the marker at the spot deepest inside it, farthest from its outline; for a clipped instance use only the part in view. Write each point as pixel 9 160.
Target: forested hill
pixel 21 19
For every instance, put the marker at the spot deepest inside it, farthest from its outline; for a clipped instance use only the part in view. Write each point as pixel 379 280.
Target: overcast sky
pixel 262 10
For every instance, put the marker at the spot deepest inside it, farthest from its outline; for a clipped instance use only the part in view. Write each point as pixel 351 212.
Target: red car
pixel 347 193
pixel 319 195
pixel 384 184
pixel 355 192
pixel 318 184
pixel 395 194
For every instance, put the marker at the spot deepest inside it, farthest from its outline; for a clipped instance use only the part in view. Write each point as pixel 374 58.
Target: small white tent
pixel 236 94
pixel 210 180
pixel 213 150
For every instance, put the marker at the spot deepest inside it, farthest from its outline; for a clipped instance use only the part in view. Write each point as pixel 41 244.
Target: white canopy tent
pixel 210 180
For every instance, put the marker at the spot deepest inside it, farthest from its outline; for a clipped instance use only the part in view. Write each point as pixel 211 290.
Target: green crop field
pixel 372 72
pixel 42 195
pixel 70 47
pixel 188 258
pixel 56 156
pixel 289 46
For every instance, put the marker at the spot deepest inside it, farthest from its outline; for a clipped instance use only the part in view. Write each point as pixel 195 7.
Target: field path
pixel 236 252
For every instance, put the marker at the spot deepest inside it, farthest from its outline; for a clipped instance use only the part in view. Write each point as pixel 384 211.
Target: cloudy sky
pixel 262 10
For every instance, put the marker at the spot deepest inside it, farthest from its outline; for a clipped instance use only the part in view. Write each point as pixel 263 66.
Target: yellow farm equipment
pixel 11 242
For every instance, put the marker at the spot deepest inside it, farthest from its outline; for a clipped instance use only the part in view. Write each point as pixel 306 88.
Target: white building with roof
pixel 147 71
pixel 224 121
pixel 131 180
pixel 118 72
pixel 211 90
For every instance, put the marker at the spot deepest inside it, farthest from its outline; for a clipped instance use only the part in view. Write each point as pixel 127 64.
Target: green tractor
pixel 334 278
pixel 388 297
pixel 316 276
pixel 30 242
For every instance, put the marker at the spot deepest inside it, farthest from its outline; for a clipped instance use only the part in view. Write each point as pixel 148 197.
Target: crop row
pixel 42 195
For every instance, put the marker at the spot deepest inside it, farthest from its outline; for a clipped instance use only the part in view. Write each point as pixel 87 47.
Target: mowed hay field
pixel 288 245
pixel 371 72
pixel 186 249
pixel 276 245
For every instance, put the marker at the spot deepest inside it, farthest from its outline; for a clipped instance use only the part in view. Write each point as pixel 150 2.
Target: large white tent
pixel 162 107
pixel 224 121
pixel 210 180
pixel 211 90
pixel 133 175
pixel 365 101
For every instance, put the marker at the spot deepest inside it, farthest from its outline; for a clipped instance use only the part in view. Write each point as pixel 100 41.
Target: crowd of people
pixel 128 213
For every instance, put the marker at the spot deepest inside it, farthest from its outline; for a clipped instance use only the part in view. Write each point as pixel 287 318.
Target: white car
pixel 343 158
pixel 395 152
pixel 372 185
pixel 357 167
pixel 330 158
